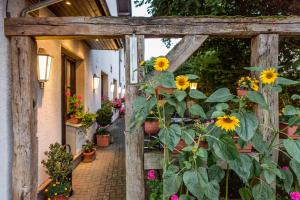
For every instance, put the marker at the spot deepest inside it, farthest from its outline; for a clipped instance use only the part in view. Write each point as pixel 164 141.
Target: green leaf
pixel 277 88
pixel 225 149
pixel 196 94
pixel 139 103
pixel 285 81
pixel 170 136
pixel 254 69
pixel 258 98
pixel 212 190
pixel 245 193
pixel 196 181
pixel 222 106
pixel 180 108
pixel 293 148
pixel 216 173
pixel 295 165
pixel 188 136
pixel 197 110
pixel 180 95
pixel 166 79
pixel 171 181
pixel 192 76
pixel 295 96
pixel 291 110
pixel 186 197
pixel 259 144
pixel 263 191
pixel 217 114
pixel 270 171
pixel 287 179
pixel 242 167
pixel 248 125
pixel 221 95
pixel 202 153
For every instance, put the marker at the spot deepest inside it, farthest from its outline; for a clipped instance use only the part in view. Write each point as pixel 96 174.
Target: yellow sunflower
pixel 161 64
pixel 269 76
pixel 228 123
pixel 254 87
pixel 182 82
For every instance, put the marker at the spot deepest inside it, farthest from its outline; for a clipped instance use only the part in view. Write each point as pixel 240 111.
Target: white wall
pixel 112 6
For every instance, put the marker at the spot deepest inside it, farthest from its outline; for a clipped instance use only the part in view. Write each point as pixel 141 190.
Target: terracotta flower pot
pixel 288 131
pixel 241 92
pixel 181 144
pixel 151 127
pixel 103 140
pixel 203 144
pixel 74 120
pixel 89 157
pixel 160 90
pixel 247 149
pixel 59 197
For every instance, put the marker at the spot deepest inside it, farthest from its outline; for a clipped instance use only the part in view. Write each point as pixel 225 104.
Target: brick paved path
pixel 103 179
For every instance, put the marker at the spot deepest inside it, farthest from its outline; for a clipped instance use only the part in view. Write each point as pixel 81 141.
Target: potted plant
pixel 58 190
pixel 58 166
pixel 103 137
pixel 75 108
pixel 89 152
pixel 151 124
pixel 246 84
pixel 289 127
pixel 104 115
pixel 242 149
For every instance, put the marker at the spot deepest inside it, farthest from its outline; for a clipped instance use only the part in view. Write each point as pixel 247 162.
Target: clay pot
pixel 247 149
pixel 59 197
pixel 203 144
pixel 103 140
pixel 89 157
pixel 74 120
pixel 289 131
pixel 160 90
pixel 181 144
pixel 241 92
pixel 151 127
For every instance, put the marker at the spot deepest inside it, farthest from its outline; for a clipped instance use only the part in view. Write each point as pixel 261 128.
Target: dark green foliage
pixel 104 115
pixel 58 163
pixel 89 147
pixel 56 188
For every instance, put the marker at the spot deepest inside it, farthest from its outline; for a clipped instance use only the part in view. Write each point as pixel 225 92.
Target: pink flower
pixel 295 195
pixel 285 168
pixel 79 97
pixel 174 197
pixel 151 175
pixel 76 104
pixel 68 93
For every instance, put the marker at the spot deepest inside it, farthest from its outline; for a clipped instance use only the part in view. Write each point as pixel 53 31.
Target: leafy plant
pixel 155 185
pixel 75 106
pixel 58 163
pixel 57 188
pixel 87 120
pixel 104 115
pixel 102 131
pixel 89 147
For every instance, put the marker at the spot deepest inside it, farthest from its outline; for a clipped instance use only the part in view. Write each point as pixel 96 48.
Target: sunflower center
pixel 269 75
pixel 161 64
pixel 181 81
pixel 227 120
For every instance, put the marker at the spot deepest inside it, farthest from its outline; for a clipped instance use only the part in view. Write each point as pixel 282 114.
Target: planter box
pixel 182 144
pixel 89 157
pixel 103 140
pixel 59 197
pixel 151 127
pixel 74 120
pixel 247 149
pixel 288 131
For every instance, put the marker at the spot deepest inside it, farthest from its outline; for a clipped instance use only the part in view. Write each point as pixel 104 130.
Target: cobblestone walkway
pixel 103 179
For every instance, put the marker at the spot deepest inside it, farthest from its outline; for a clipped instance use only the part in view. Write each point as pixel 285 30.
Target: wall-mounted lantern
pixel 119 90
pixel 96 80
pixel 44 66
pixel 193 85
pixel 112 87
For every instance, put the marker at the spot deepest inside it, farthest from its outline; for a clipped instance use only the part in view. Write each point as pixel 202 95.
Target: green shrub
pixel 58 163
pixel 56 188
pixel 104 116
pixel 89 147
pixel 102 131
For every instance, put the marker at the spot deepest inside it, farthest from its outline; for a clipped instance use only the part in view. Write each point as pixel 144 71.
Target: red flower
pixel 68 93
pixel 79 97
pixel 76 104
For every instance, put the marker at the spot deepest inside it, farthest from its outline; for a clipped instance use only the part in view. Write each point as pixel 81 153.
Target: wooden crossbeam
pixel 116 27
pixel 184 49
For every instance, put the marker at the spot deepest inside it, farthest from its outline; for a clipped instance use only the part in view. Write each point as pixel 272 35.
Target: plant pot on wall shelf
pixel 89 156
pixel 241 92
pixel 103 140
pixel 246 149
pixel 181 144
pixel 74 120
pixel 151 127
pixel 288 131
pixel 59 197
pixel 162 90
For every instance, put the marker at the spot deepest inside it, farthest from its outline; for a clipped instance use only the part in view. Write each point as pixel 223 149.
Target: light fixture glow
pixel 68 3
pixel 193 86
pixel 44 66
pixel 96 80
pixel 112 87
pixel 123 91
pixel 119 90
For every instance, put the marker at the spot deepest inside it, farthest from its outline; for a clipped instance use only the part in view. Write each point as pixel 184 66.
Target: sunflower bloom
pixel 161 64
pixel 228 123
pixel 254 87
pixel 269 76
pixel 182 82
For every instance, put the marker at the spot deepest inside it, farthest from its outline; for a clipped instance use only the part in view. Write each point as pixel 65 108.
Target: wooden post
pixel 264 53
pixel 24 118
pixel 134 142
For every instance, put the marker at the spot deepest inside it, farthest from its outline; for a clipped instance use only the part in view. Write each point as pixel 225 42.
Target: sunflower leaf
pixel 258 98
pixel 196 94
pixel 221 95
pixel 180 95
pixel 285 81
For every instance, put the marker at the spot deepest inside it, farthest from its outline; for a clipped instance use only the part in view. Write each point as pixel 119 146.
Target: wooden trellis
pixel 264 32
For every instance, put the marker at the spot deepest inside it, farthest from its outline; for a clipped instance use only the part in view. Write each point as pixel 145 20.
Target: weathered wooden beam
pixel 184 49
pixel 114 27
pixel 152 160
pixel 24 118
pixel 134 142
pixel 264 52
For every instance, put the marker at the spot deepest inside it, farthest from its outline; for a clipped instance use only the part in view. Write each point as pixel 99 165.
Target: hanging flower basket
pixel 151 127
pixel 288 131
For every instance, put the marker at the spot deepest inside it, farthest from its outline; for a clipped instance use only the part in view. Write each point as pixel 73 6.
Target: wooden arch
pixel 194 30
